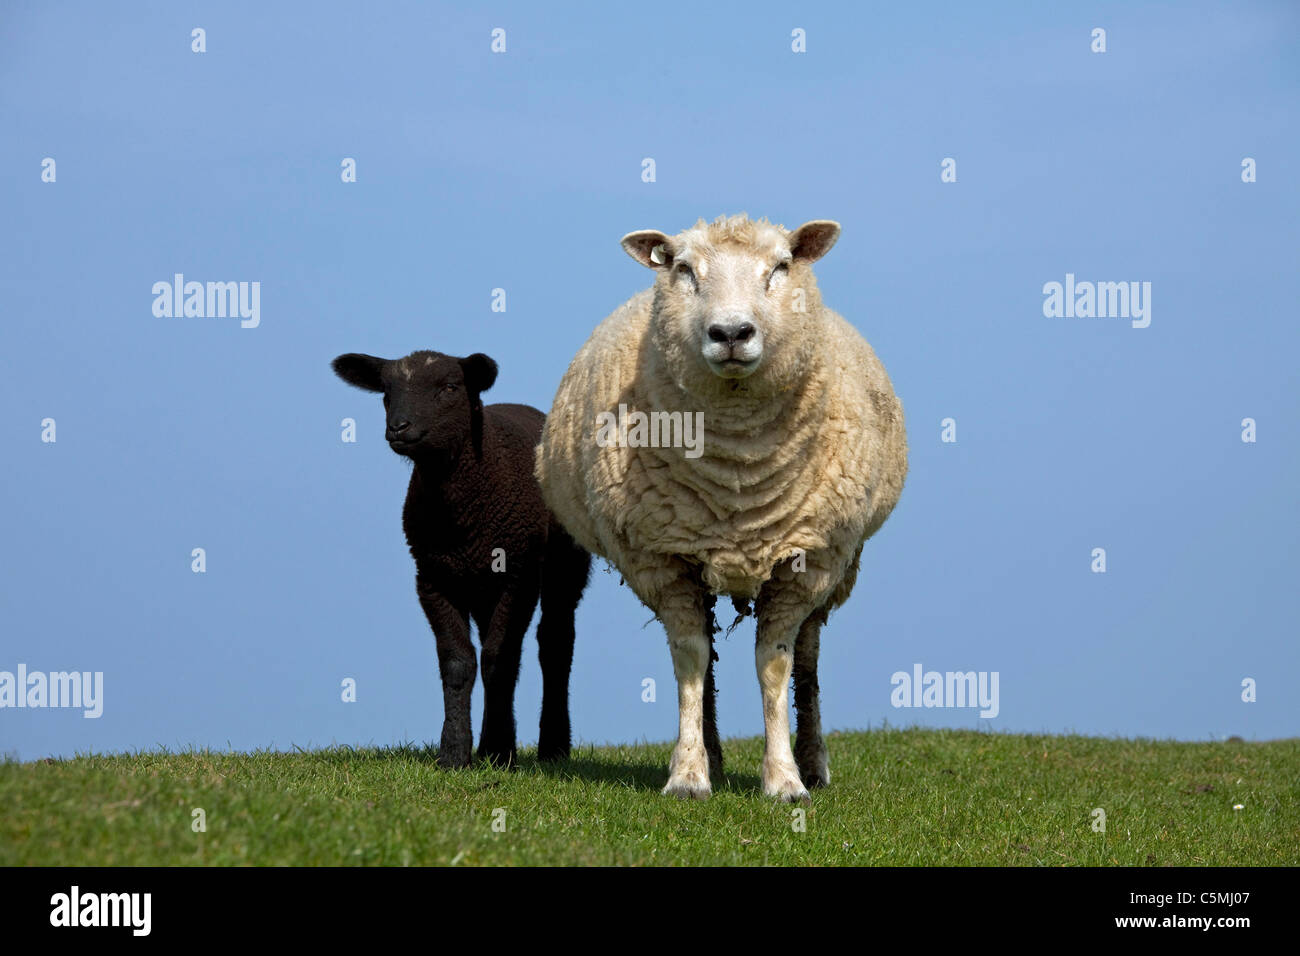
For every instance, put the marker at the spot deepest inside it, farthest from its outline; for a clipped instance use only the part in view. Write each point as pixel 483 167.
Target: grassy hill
pixel 898 797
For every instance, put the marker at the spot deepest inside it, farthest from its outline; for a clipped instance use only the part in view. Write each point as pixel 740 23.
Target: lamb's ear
pixel 650 247
pixel 480 372
pixel 814 239
pixel 363 371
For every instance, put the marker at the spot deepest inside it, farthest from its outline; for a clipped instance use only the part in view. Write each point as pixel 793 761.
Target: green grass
pixel 898 797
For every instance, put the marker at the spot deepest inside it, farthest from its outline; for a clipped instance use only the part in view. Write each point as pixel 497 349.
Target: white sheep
pixel 803 457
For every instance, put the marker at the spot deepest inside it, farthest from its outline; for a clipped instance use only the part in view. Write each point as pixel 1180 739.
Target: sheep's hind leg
pixel 809 747
pixel 712 743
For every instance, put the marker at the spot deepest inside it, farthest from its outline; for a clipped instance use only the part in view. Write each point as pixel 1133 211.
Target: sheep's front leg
pixel 457 668
pixel 684 620
pixel 774 659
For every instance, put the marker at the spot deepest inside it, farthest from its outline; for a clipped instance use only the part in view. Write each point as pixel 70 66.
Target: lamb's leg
pixel 809 747
pixel 457 668
pixel 774 659
pixel 563 578
pixel 502 643
pixel 684 619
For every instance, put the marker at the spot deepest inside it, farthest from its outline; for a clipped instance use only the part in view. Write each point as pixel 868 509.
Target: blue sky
pixel 521 171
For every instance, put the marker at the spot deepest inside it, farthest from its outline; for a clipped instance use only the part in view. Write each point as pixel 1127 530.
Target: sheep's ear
pixel 649 247
pixel 480 372
pixel 363 371
pixel 814 239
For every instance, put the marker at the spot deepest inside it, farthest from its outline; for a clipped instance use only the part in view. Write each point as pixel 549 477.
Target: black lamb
pixel 485 546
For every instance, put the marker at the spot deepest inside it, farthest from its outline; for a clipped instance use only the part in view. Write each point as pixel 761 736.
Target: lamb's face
pixel 734 298
pixel 430 399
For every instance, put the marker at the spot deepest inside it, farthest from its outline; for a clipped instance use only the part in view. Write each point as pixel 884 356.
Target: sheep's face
pixel 431 401
pixel 735 299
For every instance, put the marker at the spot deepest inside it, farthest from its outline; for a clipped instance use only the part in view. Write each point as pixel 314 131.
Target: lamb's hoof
pixel 453 758
pixel 783 785
pixel 553 747
pixel 500 757
pixel 688 786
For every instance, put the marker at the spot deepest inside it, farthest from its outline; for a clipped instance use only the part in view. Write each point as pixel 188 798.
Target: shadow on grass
pixel 647 774
pixel 638 776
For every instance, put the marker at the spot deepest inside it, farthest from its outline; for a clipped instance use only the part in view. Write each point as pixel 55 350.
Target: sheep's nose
pixel 398 427
pixel 730 333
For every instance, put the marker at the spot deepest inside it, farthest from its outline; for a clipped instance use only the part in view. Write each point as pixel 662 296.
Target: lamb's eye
pixel 449 387
pixel 780 270
pixel 686 273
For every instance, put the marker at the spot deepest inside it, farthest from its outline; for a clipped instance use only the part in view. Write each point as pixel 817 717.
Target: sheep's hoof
pixel 790 793
pixel 715 762
pixel 815 773
pixel 784 786
pixel 688 786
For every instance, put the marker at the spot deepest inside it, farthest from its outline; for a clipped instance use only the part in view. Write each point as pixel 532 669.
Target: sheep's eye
pixel 781 269
pixel 385 401
pixel 449 387
pixel 686 272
